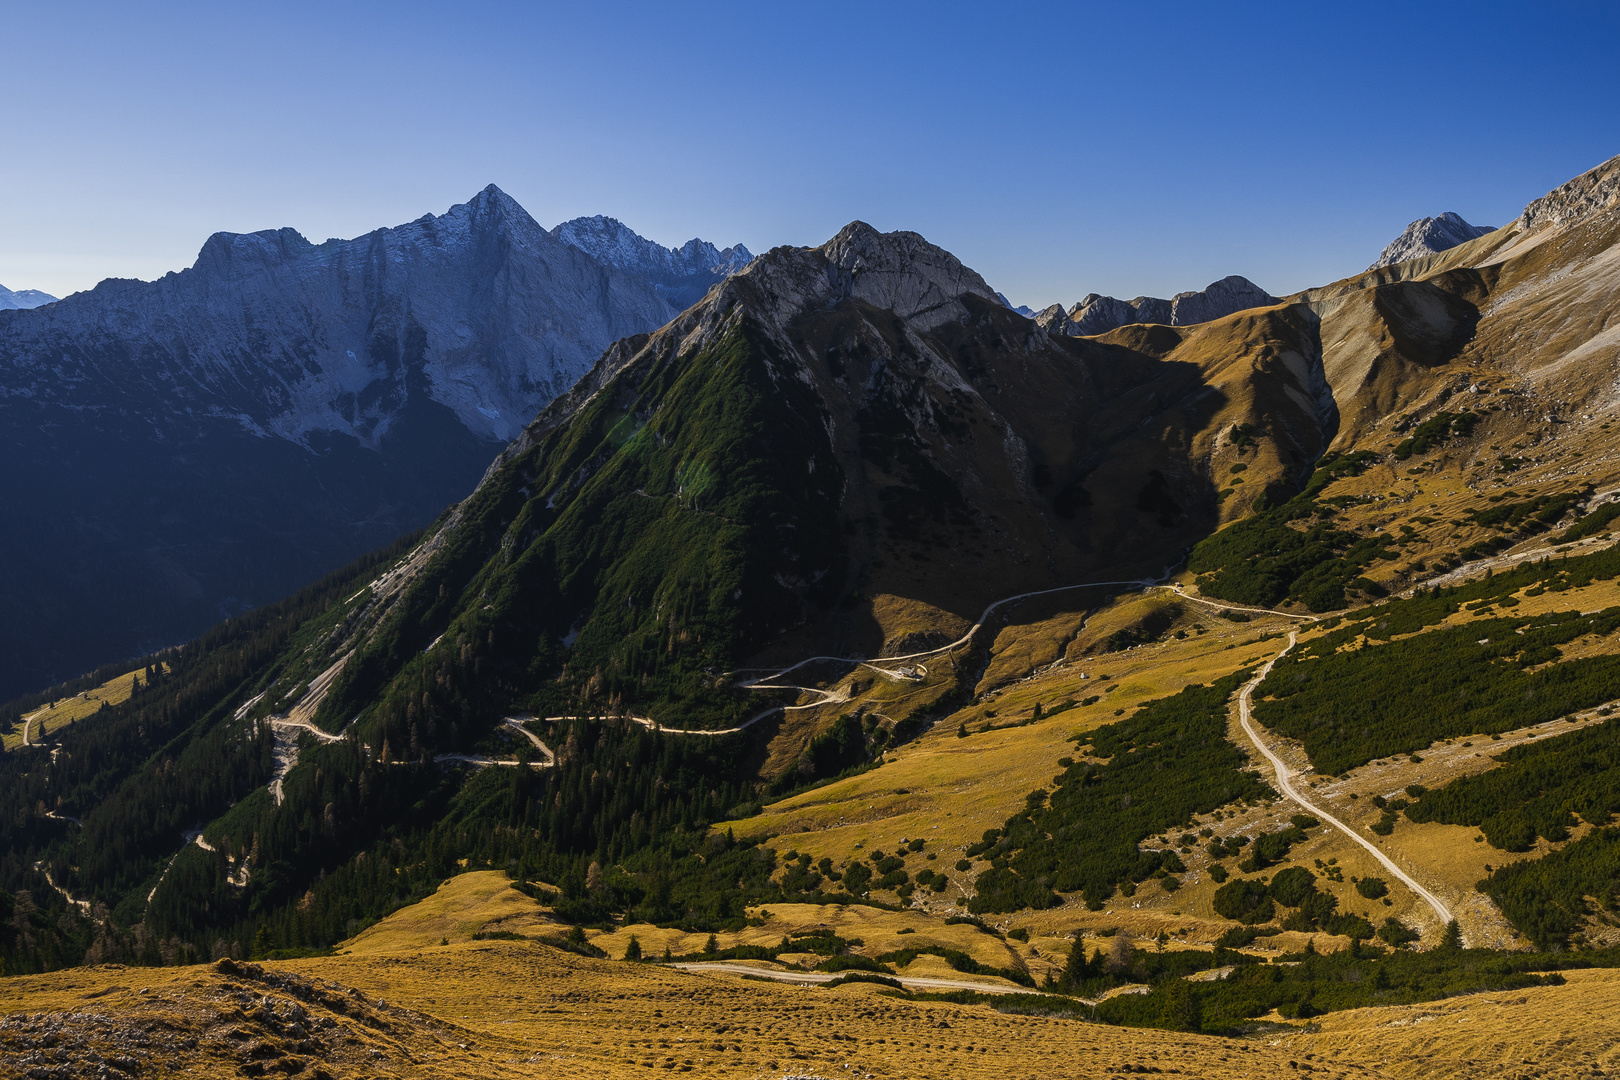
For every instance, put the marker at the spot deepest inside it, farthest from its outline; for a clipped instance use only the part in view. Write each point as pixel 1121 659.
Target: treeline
pixel 142 772
pixel 1351 706
pixel 1264 559
pixel 1310 984
pixel 1546 899
pixel 1161 766
pixel 1298 986
pixel 1538 791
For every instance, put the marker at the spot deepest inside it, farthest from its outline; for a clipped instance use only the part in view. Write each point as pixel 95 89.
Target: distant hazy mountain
pixel 1429 236
pixel 23 298
pixel 1023 309
pixel 1096 314
pixel 682 275
pixel 182 449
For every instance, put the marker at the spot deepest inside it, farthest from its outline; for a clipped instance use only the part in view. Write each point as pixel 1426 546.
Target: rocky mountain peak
pixel 1217 300
pixel 1097 314
pixel 901 271
pixel 682 275
pixel 351 388
pixel 231 255
pixel 23 298
pixel 1429 236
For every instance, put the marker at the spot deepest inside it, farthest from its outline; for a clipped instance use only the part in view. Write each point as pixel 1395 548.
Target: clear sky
pixel 1059 149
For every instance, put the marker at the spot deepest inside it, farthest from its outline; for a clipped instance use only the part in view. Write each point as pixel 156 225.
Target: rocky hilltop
pixel 23 298
pixel 681 275
pixel 1096 314
pixel 192 446
pixel 1429 236
pixel 1594 192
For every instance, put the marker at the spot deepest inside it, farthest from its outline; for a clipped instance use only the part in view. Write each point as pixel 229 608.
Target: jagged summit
pixel 1429 236
pixel 1096 314
pixel 682 275
pixel 350 389
pixel 23 298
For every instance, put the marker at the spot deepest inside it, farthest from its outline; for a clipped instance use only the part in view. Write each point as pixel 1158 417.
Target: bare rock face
pixel 681 275
pixel 1592 192
pixel 290 338
pixel 1099 314
pixel 904 273
pixel 1096 314
pixel 1218 300
pixel 1429 236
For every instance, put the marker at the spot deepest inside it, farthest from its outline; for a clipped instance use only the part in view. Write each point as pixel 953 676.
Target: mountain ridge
pixel 356 387
pixel 23 299
pixel 682 275
pixel 1095 314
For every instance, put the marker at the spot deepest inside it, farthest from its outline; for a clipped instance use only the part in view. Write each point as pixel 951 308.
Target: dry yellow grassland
pixel 398 1004
pixel 947 790
pixel 64 711
pixel 1544 1032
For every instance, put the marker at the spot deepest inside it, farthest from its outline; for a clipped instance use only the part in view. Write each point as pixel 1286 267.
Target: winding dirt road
pixel 1285 784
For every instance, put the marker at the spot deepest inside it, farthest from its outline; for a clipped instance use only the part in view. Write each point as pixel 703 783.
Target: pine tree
pixel 1452 940
pixel 632 951
pixel 1080 968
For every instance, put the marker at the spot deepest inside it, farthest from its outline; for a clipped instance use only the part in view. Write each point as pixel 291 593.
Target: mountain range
pixel 1096 314
pixel 23 298
pixel 681 275
pixel 1218 675
pixel 189 448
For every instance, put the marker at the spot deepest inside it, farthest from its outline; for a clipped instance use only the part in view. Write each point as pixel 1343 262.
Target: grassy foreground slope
pixel 406 1005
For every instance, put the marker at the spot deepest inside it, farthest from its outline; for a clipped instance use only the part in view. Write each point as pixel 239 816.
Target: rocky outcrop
pixel 1099 314
pixel 681 275
pixel 1592 192
pixel 1096 314
pixel 23 298
pixel 1218 300
pixel 1429 236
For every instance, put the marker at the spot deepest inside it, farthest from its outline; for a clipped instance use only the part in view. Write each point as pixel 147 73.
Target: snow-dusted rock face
pixel 23 298
pixel 1429 236
pixel 481 308
pixel 182 449
pixel 1096 314
pixel 681 275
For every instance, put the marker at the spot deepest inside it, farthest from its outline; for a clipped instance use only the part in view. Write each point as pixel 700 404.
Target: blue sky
pixel 1058 149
